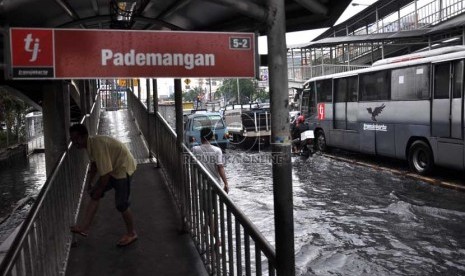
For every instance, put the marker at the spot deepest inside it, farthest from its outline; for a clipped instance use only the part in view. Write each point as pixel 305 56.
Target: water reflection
pixel 20 182
pixel 353 220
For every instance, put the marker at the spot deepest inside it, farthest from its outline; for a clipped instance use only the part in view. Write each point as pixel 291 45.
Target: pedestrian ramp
pixel 162 249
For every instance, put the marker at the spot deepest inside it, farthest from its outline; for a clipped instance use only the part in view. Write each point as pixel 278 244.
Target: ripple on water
pixel 19 181
pixel 353 220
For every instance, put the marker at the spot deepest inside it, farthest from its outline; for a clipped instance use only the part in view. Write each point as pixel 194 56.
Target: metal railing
pixel 428 15
pixel 227 240
pixel 304 73
pixel 42 244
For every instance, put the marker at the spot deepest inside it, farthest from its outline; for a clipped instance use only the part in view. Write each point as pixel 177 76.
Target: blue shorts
pixel 122 189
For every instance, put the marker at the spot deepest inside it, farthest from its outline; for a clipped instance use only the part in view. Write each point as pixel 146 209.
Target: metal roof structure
pixel 419 34
pixel 199 15
pixel 188 15
pixel 343 32
pixel 185 15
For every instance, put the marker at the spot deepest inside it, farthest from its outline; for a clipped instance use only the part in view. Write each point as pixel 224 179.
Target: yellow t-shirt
pixel 110 156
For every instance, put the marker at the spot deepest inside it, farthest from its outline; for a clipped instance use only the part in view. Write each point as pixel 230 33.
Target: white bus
pixel 410 107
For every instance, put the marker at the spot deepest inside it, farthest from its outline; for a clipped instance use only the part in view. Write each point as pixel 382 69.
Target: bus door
pixel 340 104
pixel 447 112
pixel 308 108
pixel 345 112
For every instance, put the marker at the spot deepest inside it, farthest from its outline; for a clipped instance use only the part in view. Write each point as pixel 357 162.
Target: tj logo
pixel 34 48
pixel 375 112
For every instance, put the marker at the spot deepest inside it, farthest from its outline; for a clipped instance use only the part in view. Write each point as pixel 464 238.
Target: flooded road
pixel 354 220
pixel 349 219
pixel 20 183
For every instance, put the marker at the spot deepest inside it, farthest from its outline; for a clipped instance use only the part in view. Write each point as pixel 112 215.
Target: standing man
pixel 112 161
pixel 211 156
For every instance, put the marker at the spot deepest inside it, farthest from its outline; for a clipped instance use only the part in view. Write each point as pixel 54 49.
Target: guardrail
pixel 42 244
pixel 227 240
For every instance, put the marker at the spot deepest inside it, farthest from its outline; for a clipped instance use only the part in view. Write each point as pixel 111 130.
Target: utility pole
pixel 280 139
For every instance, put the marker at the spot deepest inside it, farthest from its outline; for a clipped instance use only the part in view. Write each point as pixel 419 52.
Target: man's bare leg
pixel 89 215
pixel 131 234
pixel 129 221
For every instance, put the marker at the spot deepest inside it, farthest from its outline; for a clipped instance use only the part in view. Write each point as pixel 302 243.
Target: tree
pixel 191 94
pixel 13 114
pixel 247 91
pixel 262 95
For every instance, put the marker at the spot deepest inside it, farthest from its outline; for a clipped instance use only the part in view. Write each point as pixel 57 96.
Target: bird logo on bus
pixel 374 113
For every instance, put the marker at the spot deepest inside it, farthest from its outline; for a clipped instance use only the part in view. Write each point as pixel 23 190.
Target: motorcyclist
pixel 300 127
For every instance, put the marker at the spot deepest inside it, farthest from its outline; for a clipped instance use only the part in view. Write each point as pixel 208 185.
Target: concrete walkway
pixel 161 249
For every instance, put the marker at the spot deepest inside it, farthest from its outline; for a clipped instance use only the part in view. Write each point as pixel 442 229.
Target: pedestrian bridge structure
pixel 168 193
pixel 169 189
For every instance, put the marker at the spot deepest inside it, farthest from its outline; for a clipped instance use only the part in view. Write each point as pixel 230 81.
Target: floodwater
pixel 20 182
pixel 348 219
pixel 354 220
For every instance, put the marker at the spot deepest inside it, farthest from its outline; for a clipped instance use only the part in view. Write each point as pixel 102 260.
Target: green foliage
pixel 13 115
pixel 248 91
pixel 191 94
pixel 188 95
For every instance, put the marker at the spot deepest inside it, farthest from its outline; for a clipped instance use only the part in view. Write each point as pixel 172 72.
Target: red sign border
pixel 11 67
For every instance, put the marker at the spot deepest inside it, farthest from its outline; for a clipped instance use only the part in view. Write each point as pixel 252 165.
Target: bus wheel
pixel 420 158
pixel 321 141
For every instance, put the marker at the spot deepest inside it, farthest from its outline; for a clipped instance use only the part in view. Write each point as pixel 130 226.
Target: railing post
pixel 82 97
pixel 56 121
pixel 281 144
pixel 155 112
pixel 149 139
pixel 179 139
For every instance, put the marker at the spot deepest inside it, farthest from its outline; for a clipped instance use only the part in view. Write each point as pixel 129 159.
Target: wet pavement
pixel 355 220
pixel 162 248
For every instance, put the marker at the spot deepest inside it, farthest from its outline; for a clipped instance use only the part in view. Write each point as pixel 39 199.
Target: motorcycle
pixel 304 146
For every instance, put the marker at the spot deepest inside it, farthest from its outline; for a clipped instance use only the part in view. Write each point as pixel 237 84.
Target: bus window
pixel 304 102
pixel 375 86
pixel 411 83
pixel 458 79
pixel 340 90
pixel 345 89
pixel 441 81
pixel 352 89
pixel 324 90
pixel 311 101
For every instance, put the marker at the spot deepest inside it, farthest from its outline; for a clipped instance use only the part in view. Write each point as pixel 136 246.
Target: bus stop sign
pixel 87 54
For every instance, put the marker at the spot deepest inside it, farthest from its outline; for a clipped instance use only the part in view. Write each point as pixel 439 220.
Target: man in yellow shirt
pixel 114 164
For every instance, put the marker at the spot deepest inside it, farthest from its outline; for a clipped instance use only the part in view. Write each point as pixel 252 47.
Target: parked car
pixel 196 121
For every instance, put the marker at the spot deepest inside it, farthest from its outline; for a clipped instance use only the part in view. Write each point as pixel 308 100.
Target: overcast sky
pixel 307 36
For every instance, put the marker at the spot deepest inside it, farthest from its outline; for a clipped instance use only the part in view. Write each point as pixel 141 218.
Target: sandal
pixel 76 230
pixel 127 240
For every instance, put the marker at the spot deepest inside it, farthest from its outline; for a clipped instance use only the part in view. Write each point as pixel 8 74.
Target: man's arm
pixel 98 191
pixel 223 177
pixel 91 175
